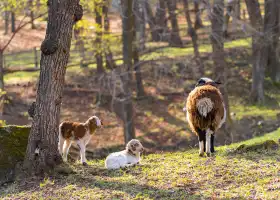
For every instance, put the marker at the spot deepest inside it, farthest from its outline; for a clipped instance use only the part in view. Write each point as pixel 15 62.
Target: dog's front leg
pixel 130 165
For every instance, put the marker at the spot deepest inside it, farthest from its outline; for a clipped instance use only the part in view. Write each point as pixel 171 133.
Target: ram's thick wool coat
pixel 205 113
pixel 205 108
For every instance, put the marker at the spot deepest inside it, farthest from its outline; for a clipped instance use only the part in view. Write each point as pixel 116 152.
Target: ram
pixel 205 113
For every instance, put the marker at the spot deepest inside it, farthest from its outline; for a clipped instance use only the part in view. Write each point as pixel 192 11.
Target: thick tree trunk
pixel 260 48
pixel 272 33
pixel 199 69
pixel 110 64
pixel 127 36
pixel 42 150
pixel 161 20
pixel 175 39
pixel 198 22
pixel 151 20
pixel 218 55
pixel 98 41
pixel 13 22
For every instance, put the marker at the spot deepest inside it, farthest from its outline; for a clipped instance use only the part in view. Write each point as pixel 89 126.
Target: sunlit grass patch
pixel 178 175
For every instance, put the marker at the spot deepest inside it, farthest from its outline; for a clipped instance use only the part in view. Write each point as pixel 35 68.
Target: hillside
pixel 251 173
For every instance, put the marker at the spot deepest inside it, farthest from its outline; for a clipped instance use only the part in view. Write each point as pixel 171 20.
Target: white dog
pixel 128 157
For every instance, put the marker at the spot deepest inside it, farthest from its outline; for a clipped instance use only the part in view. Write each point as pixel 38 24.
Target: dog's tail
pixel 61 139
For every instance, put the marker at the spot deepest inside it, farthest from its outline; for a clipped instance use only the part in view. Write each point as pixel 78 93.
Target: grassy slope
pixel 180 175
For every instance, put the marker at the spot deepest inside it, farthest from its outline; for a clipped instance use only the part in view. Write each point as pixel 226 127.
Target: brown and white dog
pixel 126 158
pixel 80 133
pixel 206 113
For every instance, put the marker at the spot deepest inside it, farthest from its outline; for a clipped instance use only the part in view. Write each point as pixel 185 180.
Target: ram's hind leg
pixel 202 140
pixel 209 134
pixel 212 143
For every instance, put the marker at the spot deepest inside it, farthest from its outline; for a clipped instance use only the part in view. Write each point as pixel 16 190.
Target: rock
pixel 13 143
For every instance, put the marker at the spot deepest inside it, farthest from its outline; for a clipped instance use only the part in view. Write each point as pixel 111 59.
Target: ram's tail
pixel 204 106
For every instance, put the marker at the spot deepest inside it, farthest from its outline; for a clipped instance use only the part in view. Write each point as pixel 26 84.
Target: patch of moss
pixel 13 143
pixel 266 145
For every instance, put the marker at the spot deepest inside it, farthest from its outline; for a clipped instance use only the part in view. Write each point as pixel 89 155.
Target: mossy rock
pixel 266 145
pixel 13 143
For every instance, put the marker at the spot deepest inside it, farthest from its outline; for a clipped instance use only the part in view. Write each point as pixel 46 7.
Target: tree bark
pixel 1 70
pixel 2 96
pixel 151 20
pixel 136 46
pixel 42 150
pixel 31 9
pixel 218 55
pixel 199 70
pixel 198 22
pixel 80 45
pixel 127 36
pixel 98 41
pixel 175 39
pixel 7 17
pixel 13 22
pixel 110 64
pixel 272 33
pixel 161 20
pixel 260 48
pixel 139 26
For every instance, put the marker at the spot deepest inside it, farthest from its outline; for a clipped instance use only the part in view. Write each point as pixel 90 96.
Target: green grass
pixel 179 175
pixel 168 52
pixel 173 52
pixel 251 110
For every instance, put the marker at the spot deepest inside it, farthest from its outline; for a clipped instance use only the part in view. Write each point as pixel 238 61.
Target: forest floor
pixel 246 170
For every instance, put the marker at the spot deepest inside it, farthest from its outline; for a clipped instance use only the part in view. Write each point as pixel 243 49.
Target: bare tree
pixel 2 50
pixel 232 10
pixel 198 22
pixel 137 10
pixel 218 55
pixel 126 95
pixel 31 10
pixel 272 33
pixel 98 40
pixel 161 20
pixel 260 51
pixel 110 64
pixel 7 18
pixel 140 24
pixel 199 70
pixel 42 150
pixel 150 19
pixel 13 21
pixel 175 39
